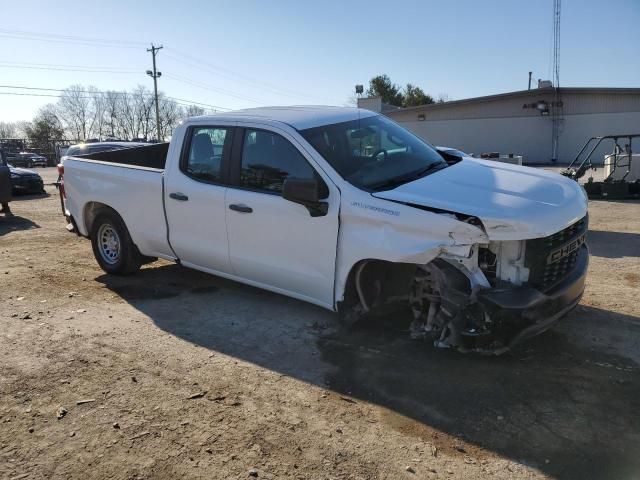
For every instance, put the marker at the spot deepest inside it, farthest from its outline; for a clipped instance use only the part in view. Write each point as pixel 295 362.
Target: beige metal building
pixel 522 122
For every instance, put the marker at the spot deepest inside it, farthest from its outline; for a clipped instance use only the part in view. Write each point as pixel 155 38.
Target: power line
pixel 65 68
pixel 34 94
pixel 81 68
pixel 94 93
pixel 182 102
pixel 102 42
pixel 225 72
pixel 213 89
pixel 72 39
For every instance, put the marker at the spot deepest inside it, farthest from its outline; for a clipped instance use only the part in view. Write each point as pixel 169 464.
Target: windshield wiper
pixel 396 181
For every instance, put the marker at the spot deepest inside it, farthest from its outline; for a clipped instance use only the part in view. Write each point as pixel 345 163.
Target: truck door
pixel 194 199
pixel 272 241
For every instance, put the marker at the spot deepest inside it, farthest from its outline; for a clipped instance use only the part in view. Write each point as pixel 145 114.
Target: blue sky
pixel 250 53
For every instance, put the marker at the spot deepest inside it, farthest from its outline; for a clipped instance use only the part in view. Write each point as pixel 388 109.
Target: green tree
pixel 414 96
pixel 391 94
pixel 45 128
pixel 382 86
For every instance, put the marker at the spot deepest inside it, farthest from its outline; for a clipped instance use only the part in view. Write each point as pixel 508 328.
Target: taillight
pixel 63 194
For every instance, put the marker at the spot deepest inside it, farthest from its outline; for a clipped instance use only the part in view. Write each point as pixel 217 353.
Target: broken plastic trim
pixel 462 217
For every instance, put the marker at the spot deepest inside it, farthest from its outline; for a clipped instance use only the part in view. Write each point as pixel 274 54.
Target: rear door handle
pixel 240 208
pixel 179 196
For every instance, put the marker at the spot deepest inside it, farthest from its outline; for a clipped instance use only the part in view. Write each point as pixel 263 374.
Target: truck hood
pixel 513 202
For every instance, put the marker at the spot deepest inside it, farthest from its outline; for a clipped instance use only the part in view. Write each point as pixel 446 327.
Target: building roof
pixel 520 93
pixel 299 117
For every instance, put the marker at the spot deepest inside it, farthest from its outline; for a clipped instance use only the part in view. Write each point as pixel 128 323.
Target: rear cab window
pixel 203 159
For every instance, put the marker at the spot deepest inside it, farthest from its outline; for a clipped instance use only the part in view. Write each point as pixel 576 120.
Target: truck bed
pixel 130 181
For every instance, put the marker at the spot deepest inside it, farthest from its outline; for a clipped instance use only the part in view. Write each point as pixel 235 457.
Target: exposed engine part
pixel 488 263
pixel 445 309
pixel 510 261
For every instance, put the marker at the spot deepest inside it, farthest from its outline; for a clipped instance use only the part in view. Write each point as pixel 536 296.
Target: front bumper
pixel 27 184
pixel 522 312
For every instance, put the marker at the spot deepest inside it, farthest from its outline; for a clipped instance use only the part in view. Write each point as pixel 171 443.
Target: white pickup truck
pixel 345 209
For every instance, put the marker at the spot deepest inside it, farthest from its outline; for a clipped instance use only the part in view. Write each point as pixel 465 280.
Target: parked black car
pixel 28 160
pixel 25 181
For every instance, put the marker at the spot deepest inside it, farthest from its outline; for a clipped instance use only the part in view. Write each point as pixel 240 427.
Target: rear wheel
pixel 112 245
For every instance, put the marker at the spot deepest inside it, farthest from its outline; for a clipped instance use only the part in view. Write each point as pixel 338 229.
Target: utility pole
pixel 155 74
pixel 529 81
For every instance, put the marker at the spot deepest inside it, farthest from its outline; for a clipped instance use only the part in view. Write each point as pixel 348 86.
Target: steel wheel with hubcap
pixel 109 244
pixel 112 245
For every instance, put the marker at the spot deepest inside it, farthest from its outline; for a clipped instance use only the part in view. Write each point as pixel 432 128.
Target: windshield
pixel 374 153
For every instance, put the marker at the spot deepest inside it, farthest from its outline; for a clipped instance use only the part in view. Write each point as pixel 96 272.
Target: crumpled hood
pixel 513 202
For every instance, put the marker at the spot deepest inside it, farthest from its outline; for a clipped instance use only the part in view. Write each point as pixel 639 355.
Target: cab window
pixel 268 159
pixel 204 158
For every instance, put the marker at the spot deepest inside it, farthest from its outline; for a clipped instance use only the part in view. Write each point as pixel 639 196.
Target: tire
pixel 112 245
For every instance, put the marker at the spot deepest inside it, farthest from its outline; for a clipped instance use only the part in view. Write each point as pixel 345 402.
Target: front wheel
pixel 112 245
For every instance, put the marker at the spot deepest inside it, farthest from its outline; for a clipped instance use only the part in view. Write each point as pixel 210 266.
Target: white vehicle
pixel 345 209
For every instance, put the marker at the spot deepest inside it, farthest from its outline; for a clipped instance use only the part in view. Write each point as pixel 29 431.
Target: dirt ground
pixel 185 375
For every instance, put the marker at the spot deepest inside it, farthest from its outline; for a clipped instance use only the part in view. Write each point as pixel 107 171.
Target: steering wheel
pixel 378 152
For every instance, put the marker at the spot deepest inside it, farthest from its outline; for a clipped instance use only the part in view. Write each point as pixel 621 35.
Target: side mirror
pixel 305 192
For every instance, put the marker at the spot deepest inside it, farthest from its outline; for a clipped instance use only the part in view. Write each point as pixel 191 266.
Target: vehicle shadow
pixel 21 196
pixel 564 403
pixel 15 224
pixel 613 244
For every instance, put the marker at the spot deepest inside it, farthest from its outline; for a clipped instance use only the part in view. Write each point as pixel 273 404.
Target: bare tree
pixel 111 101
pixel 193 111
pixel 8 130
pixel 127 121
pixel 170 114
pixel 144 111
pixel 98 108
pixel 21 128
pixel 75 110
pixel 86 112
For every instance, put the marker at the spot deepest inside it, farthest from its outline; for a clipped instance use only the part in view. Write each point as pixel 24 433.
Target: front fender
pixel 371 228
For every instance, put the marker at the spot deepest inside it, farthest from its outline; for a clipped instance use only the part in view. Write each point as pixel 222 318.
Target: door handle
pixel 240 208
pixel 179 196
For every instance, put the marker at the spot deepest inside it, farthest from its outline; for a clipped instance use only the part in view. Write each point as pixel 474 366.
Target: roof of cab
pixel 299 117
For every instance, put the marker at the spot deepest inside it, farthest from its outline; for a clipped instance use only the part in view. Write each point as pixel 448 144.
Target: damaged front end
pixel 491 299
pixel 502 294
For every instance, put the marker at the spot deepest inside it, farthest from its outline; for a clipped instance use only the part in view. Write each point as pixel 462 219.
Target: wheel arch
pixel 373 281
pixel 91 210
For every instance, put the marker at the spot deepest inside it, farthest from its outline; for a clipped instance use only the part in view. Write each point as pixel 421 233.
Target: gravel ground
pixel 177 374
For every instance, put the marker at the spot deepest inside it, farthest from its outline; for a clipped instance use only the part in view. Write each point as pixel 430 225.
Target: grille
pixel 552 258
